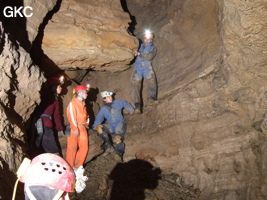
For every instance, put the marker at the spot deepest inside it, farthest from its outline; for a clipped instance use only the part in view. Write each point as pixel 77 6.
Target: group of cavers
pixel 48 175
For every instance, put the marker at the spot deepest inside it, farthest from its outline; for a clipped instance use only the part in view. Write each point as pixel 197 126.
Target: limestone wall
pixel 209 125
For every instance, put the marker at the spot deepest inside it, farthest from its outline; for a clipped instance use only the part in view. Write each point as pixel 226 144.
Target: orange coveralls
pixel 77 146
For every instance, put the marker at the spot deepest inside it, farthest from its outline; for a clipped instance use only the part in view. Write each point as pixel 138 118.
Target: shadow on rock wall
pixel 132 178
pixel 91 104
pixel 46 64
pixel 15 26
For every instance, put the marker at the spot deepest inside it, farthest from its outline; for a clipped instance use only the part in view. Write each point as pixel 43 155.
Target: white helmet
pixel 106 94
pixel 148 35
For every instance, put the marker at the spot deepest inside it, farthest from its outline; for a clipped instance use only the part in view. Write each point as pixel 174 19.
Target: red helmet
pixel 50 170
pixel 80 87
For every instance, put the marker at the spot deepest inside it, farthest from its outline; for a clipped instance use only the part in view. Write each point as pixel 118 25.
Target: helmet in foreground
pixel 50 170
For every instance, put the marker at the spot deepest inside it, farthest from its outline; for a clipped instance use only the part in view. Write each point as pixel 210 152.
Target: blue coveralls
pixel 143 69
pixel 116 125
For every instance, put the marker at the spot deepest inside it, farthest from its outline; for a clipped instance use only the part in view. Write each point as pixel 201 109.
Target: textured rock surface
pixel 187 39
pixel 20 84
pixel 39 10
pixel 210 125
pixel 211 70
pixel 90 35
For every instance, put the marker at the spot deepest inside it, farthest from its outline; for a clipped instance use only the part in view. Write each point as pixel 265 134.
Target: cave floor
pixel 109 178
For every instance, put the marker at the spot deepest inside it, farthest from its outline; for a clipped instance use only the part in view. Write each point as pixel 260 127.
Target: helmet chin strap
pixel 80 96
pixel 29 193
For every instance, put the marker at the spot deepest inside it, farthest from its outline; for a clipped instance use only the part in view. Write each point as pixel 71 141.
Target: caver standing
pixel 116 124
pixel 51 117
pixel 77 142
pixel 143 70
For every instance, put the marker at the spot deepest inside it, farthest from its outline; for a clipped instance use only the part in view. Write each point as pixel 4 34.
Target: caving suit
pixel 51 119
pixel 143 69
pixel 77 146
pixel 116 125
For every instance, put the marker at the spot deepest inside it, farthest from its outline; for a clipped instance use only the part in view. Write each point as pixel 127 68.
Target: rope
pixel 15 189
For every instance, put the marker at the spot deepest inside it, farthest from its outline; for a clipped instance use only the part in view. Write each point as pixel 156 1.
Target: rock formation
pixel 90 35
pixel 210 123
pixel 20 84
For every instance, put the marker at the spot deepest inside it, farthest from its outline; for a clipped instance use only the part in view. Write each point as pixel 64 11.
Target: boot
pixel 137 108
pixel 79 173
pixel 137 111
pixel 152 101
pixel 118 156
pixel 108 150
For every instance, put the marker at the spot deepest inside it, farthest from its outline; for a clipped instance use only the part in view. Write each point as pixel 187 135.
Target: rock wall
pixel 20 84
pixel 21 79
pixel 23 62
pixel 90 35
pixel 210 123
pixel 209 126
pixel 19 94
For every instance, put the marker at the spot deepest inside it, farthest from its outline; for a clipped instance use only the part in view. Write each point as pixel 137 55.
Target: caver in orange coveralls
pixel 77 146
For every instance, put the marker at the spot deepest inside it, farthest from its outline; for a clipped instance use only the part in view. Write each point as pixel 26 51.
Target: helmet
pixel 80 87
pixel 55 81
pixel 50 170
pixel 106 94
pixel 148 35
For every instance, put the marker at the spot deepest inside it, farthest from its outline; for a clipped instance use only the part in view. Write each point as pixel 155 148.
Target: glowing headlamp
pixel 148 34
pixel 88 87
pixel 61 79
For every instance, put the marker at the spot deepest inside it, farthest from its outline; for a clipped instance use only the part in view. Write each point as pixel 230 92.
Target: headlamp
pixel 148 34
pixel 61 79
pixel 88 87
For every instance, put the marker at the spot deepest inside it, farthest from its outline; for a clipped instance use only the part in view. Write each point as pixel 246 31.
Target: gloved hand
pixel 76 132
pixel 99 128
pixel 60 133
pixel 117 139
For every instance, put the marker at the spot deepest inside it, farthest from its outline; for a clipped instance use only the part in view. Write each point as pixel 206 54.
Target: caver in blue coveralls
pixel 116 126
pixel 143 69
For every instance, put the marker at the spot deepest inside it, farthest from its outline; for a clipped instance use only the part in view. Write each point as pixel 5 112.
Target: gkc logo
pixel 20 11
